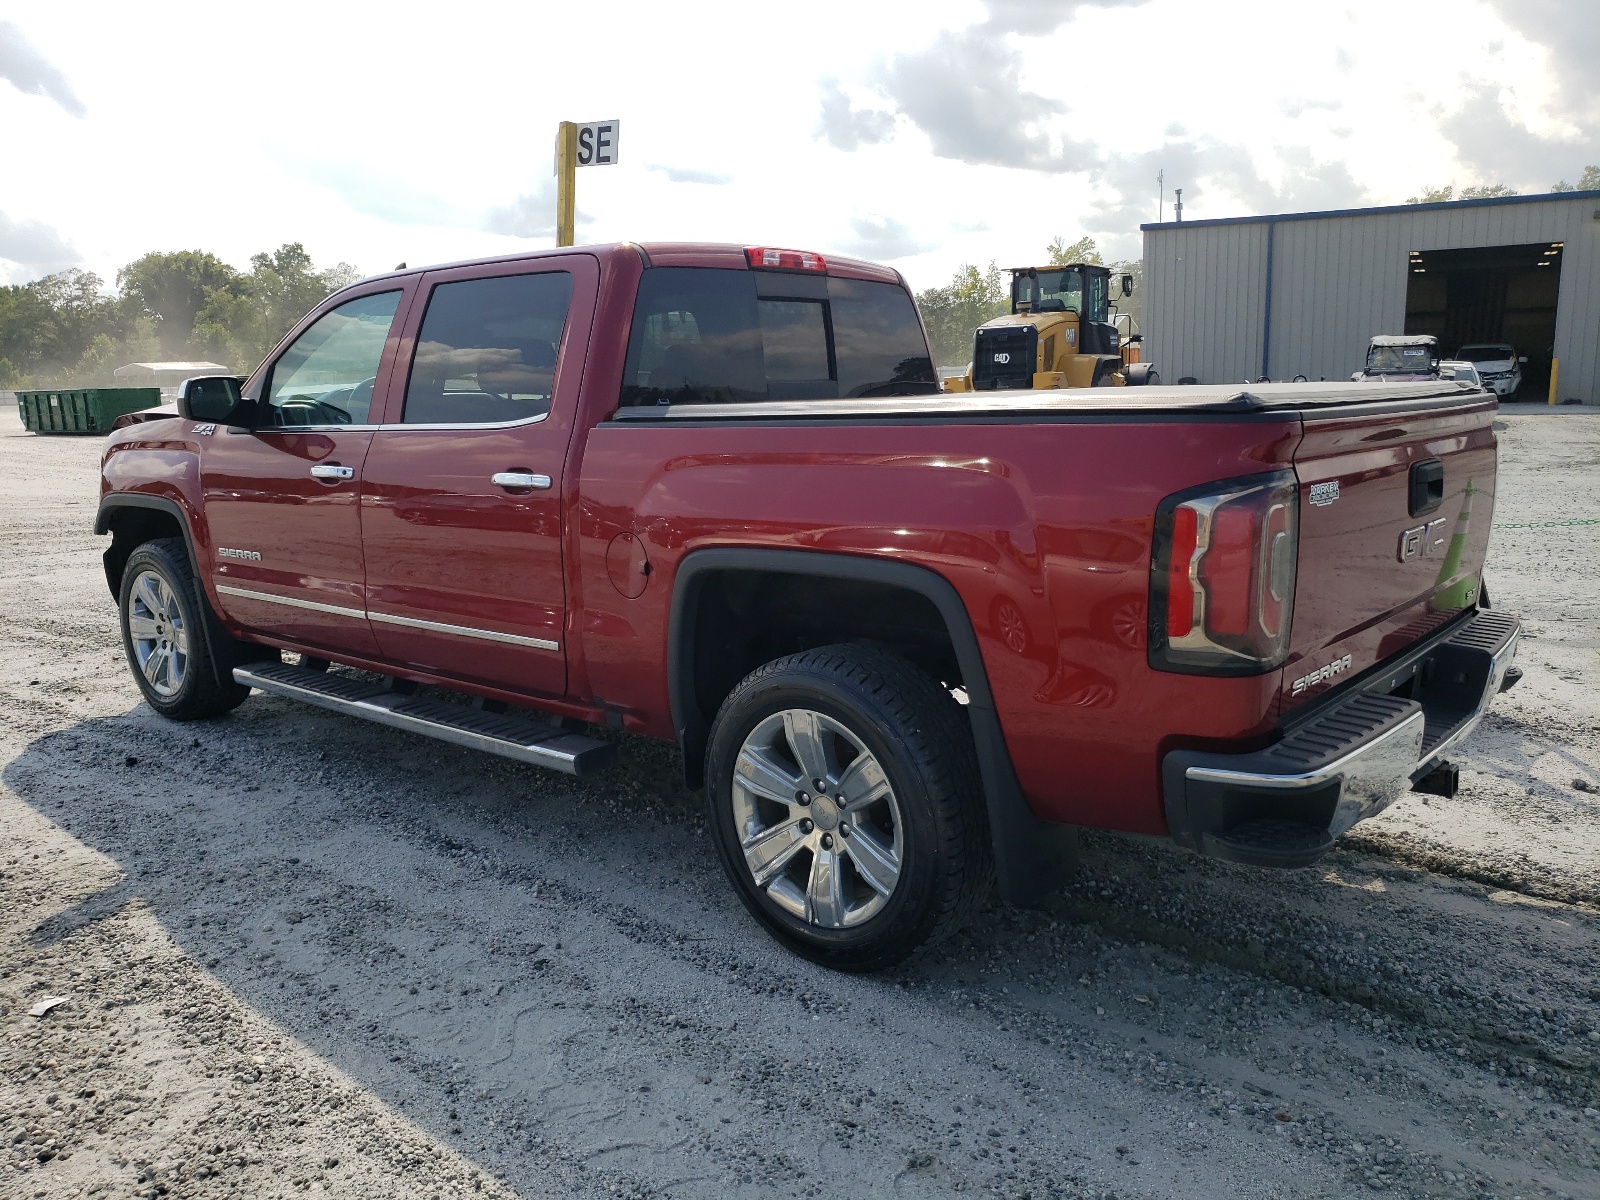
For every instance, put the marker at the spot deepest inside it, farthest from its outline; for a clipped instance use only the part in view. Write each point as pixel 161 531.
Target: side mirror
pixel 1127 285
pixel 212 398
pixel 1523 359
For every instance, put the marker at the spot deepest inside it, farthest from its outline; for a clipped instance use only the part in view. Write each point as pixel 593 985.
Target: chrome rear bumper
pixel 1349 760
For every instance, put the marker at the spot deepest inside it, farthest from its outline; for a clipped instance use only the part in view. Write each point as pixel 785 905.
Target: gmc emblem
pixel 1424 541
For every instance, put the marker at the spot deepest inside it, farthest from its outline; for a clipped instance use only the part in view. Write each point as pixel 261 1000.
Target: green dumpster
pixel 82 410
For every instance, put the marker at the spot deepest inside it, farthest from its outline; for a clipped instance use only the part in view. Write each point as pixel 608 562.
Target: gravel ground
pixel 304 955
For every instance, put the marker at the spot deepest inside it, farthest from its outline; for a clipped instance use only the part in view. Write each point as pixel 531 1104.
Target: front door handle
pixel 519 479
pixel 330 471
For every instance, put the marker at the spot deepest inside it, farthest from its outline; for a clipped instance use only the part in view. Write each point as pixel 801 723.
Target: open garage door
pixel 1490 294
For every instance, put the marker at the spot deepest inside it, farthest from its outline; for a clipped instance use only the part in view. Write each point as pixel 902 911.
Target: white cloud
pixel 1569 31
pixel 33 249
pixel 532 214
pixel 965 93
pixel 689 175
pixel 847 127
pixel 31 73
pixel 885 239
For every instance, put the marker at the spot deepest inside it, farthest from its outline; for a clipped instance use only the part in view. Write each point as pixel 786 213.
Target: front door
pixel 282 499
pixel 462 501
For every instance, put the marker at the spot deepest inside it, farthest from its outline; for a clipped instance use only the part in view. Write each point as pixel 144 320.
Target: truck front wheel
pixel 845 805
pixel 163 638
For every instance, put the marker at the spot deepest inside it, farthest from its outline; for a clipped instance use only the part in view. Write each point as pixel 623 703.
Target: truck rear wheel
pixel 845 805
pixel 163 636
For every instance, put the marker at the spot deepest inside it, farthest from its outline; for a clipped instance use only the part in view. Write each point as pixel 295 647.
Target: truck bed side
pixel 1042 526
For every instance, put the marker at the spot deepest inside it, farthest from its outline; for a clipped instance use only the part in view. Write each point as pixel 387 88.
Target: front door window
pixel 328 375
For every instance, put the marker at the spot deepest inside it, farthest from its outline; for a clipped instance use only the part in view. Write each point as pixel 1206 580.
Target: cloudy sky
pixel 925 134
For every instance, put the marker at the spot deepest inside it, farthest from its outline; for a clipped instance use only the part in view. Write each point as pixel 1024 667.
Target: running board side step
pixel 497 733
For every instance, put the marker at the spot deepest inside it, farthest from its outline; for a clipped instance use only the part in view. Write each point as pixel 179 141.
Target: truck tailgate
pixel 1395 509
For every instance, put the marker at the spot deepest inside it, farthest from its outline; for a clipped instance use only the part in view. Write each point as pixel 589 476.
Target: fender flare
pixel 1032 856
pixel 115 500
pixel 210 627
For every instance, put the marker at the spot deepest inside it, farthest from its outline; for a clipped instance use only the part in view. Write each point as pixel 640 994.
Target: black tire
pixel 196 695
pixel 1141 375
pixel 920 737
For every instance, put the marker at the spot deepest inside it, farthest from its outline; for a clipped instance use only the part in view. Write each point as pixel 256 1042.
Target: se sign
pixel 597 143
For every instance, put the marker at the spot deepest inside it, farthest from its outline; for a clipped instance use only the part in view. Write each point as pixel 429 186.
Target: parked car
pixel 1461 371
pixel 907 641
pixel 1498 364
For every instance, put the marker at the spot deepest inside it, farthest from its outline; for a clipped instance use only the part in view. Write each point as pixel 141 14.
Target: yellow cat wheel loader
pixel 1059 335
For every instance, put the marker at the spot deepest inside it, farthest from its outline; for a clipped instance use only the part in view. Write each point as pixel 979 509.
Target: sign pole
pixel 566 181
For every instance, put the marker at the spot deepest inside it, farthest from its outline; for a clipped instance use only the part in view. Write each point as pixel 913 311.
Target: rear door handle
pixel 519 479
pixel 328 471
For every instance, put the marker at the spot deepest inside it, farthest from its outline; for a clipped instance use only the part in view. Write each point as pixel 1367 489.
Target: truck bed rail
pixel 1035 405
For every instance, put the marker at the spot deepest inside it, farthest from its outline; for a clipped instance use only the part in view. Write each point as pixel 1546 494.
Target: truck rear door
pixel 462 503
pixel 1396 502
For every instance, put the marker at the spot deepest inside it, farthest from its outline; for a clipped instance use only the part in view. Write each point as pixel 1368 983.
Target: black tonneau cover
pixel 1198 398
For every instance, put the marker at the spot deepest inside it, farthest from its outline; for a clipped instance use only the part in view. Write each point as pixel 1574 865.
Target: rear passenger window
pixel 707 336
pixel 486 353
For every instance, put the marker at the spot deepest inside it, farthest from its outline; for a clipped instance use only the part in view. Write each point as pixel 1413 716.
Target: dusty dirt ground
pixel 304 955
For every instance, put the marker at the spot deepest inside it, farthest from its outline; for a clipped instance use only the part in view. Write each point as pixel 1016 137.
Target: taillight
pixel 1222 576
pixel 784 260
pixel 1180 589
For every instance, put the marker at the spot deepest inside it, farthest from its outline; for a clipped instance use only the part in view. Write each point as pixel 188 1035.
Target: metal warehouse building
pixel 1301 293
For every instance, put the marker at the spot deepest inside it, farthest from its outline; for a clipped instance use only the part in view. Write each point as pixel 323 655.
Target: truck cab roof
pixel 724 255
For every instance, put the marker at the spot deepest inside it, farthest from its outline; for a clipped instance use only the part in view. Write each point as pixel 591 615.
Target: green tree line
pixel 953 313
pixel 66 330
pixel 1589 181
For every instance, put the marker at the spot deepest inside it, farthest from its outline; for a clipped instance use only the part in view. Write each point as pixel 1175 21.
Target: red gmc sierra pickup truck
pixel 906 640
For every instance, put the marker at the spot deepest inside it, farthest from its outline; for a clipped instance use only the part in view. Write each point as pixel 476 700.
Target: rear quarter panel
pixel 1042 527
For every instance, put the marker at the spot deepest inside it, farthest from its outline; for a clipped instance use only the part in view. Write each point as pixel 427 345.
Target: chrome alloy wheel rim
pixel 158 634
pixel 818 823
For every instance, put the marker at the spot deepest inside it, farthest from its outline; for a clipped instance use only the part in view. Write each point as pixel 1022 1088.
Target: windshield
pixel 1050 291
pixel 1479 354
pixel 1398 358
